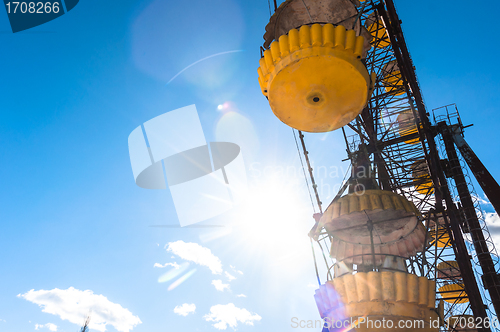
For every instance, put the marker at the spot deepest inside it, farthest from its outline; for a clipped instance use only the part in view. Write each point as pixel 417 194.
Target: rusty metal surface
pixel 405 63
pixel 483 176
pixel 292 14
pixel 391 67
pixel 490 277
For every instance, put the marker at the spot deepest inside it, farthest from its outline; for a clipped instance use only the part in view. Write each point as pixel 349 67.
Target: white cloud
pixel 229 276
pixel 492 219
pixel 72 304
pixel 185 309
pixel 241 295
pixel 234 269
pixel 482 201
pixel 50 326
pixel 219 285
pixel 493 222
pixel 195 253
pixel 174 264
pixel 229 314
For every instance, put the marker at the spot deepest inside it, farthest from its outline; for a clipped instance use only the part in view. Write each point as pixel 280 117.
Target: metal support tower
pixel 416 157
pixel 395 153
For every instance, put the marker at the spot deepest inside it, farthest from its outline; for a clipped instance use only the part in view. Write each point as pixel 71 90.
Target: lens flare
pixel 173 273
pixel 236 128
pixel 181 279
pixel 157 50
pixel 227 106
pixel 210 236
pixel 332 309
pixel 205 58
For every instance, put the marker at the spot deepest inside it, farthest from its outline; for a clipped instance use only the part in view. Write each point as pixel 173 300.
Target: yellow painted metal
pixel 393 296
pixel 399 231
pixel 448 270
pixel 442 235
pixel 407 126
pixel 314 79
pixel 408 130
pixel 394 82
pixel 368 200
pixel 455 293
pixel 421 178
pixel 377 30
pixel 447 265
pixel 424 185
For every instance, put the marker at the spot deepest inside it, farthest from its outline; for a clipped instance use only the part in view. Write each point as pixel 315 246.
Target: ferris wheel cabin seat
pixel 396 229
pixel 314 78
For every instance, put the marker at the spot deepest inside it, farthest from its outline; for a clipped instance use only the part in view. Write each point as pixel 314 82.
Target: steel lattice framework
pixel 396 130
pixel 416 157
pixel 425 160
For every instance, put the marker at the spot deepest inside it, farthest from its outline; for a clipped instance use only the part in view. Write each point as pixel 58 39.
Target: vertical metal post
pixel 484 178
pixel 437 175
pixel 490 278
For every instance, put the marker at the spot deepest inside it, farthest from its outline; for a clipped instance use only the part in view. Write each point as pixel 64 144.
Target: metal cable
pixel 326 262
pixel 303 170
pixel 315 263
pixel 310 196
pixel 315 187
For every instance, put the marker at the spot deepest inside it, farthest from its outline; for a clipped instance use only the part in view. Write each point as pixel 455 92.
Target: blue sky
pixel 72 91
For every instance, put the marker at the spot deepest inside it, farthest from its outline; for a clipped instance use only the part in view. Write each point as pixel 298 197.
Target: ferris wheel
pixel 406 234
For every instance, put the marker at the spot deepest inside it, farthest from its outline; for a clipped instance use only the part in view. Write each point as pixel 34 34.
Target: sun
pixel 275 220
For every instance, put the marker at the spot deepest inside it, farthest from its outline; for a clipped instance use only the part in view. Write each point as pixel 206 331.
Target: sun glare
pixel 275 221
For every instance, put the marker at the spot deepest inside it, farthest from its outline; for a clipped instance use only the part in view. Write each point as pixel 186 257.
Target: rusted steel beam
pixel 393 24
pixel 484 178
pixel 490 278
